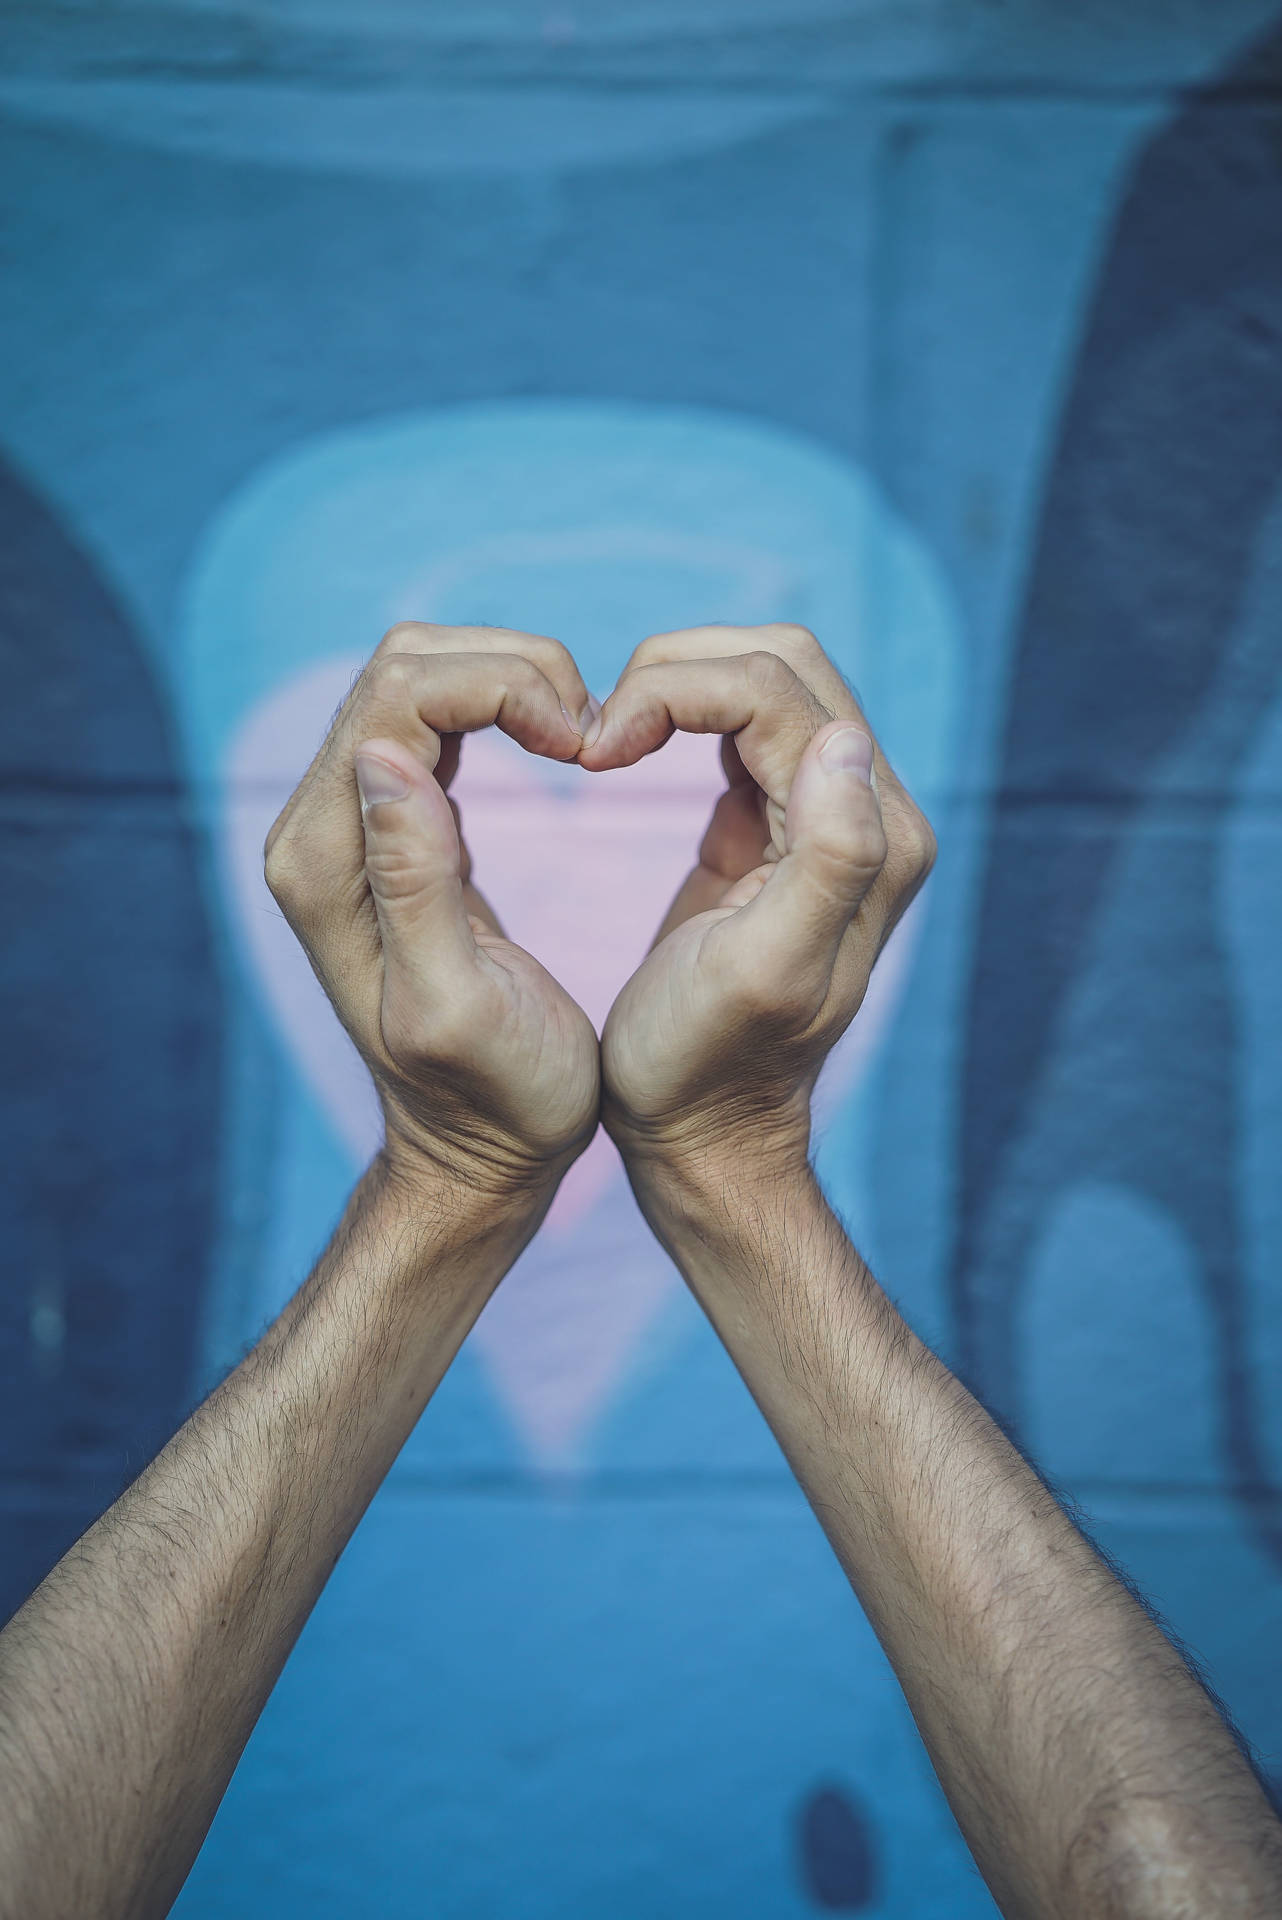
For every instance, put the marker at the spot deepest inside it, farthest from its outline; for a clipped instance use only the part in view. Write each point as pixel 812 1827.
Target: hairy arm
pixel 133 1676
pixel 1089 1771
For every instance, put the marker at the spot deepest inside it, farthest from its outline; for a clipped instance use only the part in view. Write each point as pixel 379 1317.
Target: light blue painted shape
pixel 407 132
pixel 599 524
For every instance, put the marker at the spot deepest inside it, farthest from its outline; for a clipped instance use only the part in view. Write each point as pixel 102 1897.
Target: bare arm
pixel 1089 1770
pixel 132 1678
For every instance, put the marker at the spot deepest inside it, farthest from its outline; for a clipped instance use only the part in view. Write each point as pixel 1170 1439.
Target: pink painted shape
pixel 583 868
pixel 580 869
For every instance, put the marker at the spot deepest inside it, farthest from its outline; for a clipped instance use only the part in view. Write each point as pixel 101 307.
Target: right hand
pixel 484 1064
pixel 712 1049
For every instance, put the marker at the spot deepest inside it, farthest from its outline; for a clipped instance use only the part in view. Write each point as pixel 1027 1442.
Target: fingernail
pixel 849 751
pixel 590 720
pixel 377 781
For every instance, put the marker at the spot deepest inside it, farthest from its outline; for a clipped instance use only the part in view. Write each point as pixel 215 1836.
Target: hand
pixel 484 1064
pixel 710 1052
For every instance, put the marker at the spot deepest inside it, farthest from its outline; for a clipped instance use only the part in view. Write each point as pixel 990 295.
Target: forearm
pixel 1087 1767
pixel 132 1678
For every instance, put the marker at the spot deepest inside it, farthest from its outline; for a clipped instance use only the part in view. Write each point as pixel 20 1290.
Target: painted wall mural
pixel 957 339
pixel 1147 666
pixel 597 524
pixel 110 1004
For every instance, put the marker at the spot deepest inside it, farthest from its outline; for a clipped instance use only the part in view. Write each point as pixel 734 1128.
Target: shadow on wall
pixel 109 1027
pixel 1138 689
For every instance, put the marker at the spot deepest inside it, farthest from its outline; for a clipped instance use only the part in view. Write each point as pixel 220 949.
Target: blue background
pixel 997 291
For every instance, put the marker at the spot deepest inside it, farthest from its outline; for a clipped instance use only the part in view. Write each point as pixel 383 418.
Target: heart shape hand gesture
pixel 485 1066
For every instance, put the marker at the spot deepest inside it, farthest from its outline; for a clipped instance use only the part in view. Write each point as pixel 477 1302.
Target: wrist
pixel 722 1203
pixel 708 1149
pixel 770 1264
pixel 451 1216
pixel 474 1180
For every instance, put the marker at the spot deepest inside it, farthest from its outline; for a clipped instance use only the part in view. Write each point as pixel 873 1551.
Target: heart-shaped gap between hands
pixel 579 868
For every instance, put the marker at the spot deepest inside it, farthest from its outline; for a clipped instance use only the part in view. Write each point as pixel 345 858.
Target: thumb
pixel 836 847
pixel 412 864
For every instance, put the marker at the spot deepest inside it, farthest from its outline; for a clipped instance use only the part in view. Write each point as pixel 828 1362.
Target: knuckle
pixel 654 647
pixel 394 869
pixel 280 869
pixel 522 671
pixel 407 636
pixel 553 656
pixel 518 677
pixel 390 676
pixel 846 858
pixel 920 846
pixel 865 849
pixel 274 833
pixel 768 674
pixel 791 639
pixel 640 685
pixel 672 644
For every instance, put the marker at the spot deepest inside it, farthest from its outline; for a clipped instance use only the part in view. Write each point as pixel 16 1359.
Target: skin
pixel 1089 1770
pixel 131 1679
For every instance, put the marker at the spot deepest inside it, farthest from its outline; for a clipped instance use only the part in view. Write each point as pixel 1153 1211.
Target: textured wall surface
pixel 953 329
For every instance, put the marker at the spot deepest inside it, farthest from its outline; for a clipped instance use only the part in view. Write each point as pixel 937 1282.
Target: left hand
pixel 486 1068
pixel 712 1048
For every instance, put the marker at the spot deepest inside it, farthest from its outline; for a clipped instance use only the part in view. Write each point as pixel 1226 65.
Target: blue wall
pixel 954 331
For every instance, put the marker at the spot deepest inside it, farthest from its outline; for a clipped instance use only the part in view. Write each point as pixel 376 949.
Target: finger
pixel 794 644
pixel 412 865
pixel 799 648
pixel 553 660
pixel 911 842
pixel 422 698
pixel 755 696
pixel 653 701
pixel 315 845
pixel 789 934
pixel 430 691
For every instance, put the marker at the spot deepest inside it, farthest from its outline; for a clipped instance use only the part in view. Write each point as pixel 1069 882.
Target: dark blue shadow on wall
pixel 1170 454
pixel 838 1852
pixel 110 1033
